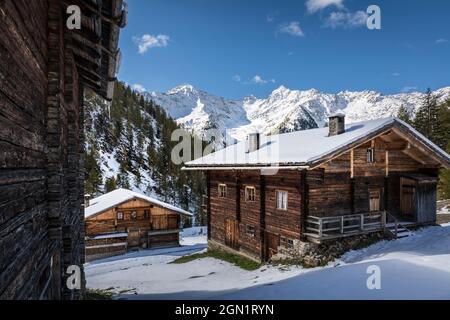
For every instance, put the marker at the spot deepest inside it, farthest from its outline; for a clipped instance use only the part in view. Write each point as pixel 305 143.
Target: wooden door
pixel 133 237
pixel 374 200
pixel 232 233
pixel 407 199
pixel 272 243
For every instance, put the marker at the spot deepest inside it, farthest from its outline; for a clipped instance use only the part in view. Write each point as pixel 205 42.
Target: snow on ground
pixel 417 267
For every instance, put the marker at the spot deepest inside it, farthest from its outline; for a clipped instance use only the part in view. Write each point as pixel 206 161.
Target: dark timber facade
pixel 387 177
pixel 43 71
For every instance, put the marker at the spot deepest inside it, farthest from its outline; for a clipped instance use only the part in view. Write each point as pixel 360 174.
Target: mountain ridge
pixel 283 110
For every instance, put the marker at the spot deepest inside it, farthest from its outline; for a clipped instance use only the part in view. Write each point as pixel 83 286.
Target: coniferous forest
pixel 432 119
pixel 128 145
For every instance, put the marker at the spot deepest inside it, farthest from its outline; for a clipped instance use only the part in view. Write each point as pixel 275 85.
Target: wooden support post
pixel 304 203
pixel 362 222
pixel 342 224
pixel 352 170
pixel 208 206
pixel 262 216
pixel 386 167
pixel 238 198
pixel 320 228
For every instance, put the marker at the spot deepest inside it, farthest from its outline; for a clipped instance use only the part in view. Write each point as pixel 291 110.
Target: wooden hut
pixel 45 65
pixel 138 220
pixel 320 185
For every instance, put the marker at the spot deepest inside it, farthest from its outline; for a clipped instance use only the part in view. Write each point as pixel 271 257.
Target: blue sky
pixel 234 48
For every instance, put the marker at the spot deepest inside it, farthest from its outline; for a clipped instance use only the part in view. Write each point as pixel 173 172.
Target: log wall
pixel 41 188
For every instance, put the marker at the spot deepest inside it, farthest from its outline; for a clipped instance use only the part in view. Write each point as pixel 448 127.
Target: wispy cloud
pixel 148 41
pixel 138 87
pixel 257 80
pixel 396 74
pixel 236 78
pixel 316 5
pixel 409 89
pixel 290 53
pixel 440 41
pixel 292 28
pixel 347 20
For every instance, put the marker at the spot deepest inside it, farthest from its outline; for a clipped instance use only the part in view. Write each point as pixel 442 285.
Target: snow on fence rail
pixel 325 228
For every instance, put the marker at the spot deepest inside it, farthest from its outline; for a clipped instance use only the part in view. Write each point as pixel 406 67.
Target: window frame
pixel 246 195
pixel 119 215
pixel 225 191
pixel 250 230
pixel 277 192
pixel 286 242
pixel 133 215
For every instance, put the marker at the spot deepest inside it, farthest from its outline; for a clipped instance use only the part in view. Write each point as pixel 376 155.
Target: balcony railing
pixel 326 228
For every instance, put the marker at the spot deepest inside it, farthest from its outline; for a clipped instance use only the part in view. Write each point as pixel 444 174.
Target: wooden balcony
pixel 319 229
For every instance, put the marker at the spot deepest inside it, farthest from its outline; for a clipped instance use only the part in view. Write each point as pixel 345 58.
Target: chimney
pixel 336 124
pixel 252 142
pixel 87 200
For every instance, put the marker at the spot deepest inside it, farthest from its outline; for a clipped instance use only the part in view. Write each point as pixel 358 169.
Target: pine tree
pixel 110 184
pixel 426 120
pixel 444 181
pixel 403 114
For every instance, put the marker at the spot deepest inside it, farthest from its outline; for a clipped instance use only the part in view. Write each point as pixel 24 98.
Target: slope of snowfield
pixel 417 267
pixel 283 110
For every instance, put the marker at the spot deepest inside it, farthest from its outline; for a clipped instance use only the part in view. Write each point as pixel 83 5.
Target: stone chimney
pixel 252 142
pixel 336 124
pixel 87 200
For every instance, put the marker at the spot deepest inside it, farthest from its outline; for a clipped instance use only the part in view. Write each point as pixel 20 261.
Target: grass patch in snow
pixel 98 294
pixel 237 260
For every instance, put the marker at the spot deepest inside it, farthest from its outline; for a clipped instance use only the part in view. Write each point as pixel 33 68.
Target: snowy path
pixel 417 267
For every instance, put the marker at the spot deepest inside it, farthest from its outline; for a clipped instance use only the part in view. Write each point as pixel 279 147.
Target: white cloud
pixel 409 89
pixel 292 28
pixel 258 80
pixel 148 41
pixel 138 87
pixel 236 78
pixel 346 19
pixel 439 41
pixel 315 5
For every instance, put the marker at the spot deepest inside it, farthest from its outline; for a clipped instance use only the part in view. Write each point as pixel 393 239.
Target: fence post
pixel 320 228
pixel 342 224
pixel 362 222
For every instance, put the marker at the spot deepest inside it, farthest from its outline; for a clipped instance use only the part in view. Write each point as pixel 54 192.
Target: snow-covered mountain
pixel 282 111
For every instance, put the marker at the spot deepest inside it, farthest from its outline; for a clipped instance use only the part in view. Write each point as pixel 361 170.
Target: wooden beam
pixel 262 216
pixel 386 161
pixel 352 166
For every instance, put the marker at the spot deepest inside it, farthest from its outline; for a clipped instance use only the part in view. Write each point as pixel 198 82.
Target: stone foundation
pixel 312 255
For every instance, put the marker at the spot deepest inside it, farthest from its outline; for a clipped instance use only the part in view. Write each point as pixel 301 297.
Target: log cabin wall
pixel 41 153
pixel 248 213
pixel 25 246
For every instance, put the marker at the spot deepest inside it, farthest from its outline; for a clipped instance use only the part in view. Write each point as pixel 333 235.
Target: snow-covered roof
pixel 303 148
pixel 116 197
pixel 110 236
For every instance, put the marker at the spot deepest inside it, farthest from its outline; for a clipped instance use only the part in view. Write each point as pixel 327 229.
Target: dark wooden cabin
pixel 44 68
pixel 138 220
pixel 320 185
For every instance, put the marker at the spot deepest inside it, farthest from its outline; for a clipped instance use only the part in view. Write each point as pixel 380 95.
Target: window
pixel 282 198
pixel 250 230
pixel 146 214
pixel 286 242
pixel 119 215
pixel 222 190
pixel 371 155
pixel 250 194
pixel 134 215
